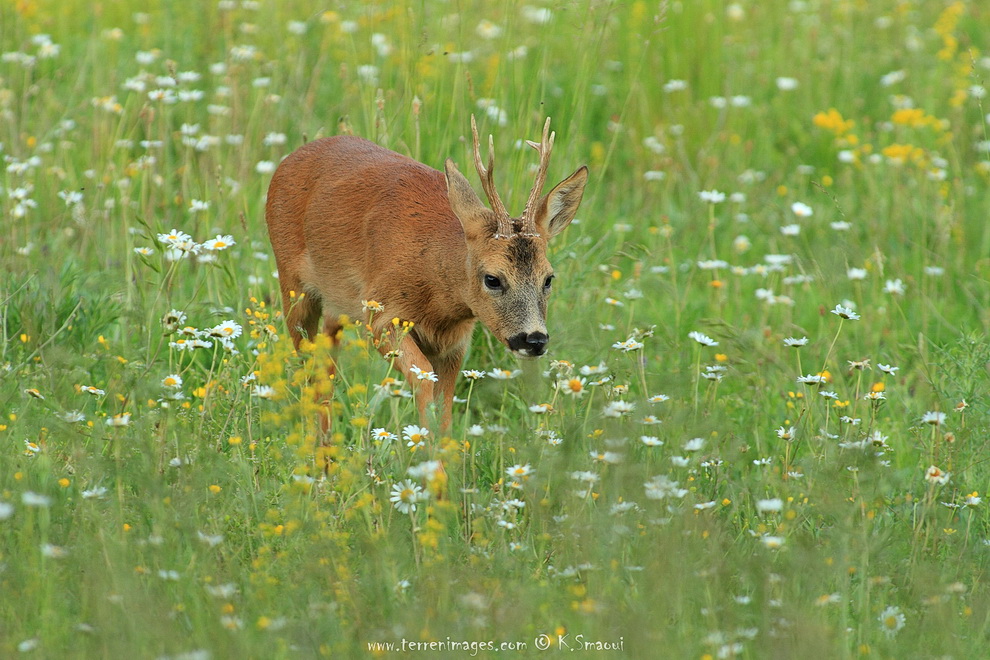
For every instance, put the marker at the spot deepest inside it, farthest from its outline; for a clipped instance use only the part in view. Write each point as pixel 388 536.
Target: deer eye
pixel 493 283
pixel 548 282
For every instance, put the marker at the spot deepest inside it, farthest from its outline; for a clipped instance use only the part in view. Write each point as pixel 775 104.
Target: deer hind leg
pixel 302 312
pixel 324 393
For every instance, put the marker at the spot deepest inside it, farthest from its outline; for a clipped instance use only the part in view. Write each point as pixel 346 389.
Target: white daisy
pixel 219 243
pixel 406 494
pixel 891 620
pixel 415 436
pixel 845 313
pixel 702 338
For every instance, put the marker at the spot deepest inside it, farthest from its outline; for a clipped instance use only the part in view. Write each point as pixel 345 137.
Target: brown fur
pixel 352 221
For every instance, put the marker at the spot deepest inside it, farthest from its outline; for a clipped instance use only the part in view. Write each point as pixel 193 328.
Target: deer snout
pixel 532 344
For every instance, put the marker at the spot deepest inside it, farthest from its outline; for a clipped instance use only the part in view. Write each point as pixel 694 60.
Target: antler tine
pixel 544 148
pixel 504 227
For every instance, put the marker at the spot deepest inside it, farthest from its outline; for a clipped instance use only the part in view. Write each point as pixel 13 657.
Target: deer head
pixel 509 276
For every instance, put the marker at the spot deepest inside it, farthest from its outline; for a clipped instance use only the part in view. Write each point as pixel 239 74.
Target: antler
pixel 504 227
pixel 544 148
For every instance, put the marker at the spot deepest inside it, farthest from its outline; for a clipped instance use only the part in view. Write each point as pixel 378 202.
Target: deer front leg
pixel 396 345
pixel 447 369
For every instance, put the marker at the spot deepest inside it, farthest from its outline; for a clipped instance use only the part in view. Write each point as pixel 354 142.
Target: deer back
pixel 352 221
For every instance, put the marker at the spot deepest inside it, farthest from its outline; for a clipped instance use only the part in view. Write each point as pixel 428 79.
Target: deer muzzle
pixel 532 344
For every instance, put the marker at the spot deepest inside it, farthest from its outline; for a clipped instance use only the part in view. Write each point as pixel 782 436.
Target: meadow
pixel 762 427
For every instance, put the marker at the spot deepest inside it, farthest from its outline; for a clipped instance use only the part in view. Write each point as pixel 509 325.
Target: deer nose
pixel 532 344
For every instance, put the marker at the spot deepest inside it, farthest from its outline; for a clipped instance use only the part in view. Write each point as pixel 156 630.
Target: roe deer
pixel 351 221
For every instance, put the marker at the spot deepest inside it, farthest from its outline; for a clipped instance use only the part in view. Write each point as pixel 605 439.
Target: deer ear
pixel 557 208
pixel 464 202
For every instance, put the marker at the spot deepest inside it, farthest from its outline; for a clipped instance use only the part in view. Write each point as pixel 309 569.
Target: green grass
pixel 212 524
